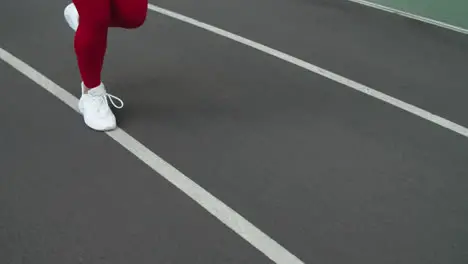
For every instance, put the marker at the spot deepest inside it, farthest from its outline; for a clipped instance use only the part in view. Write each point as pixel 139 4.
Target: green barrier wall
pixel 453 12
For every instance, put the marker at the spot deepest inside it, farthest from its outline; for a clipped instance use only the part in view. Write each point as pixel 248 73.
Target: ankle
pixel 87 88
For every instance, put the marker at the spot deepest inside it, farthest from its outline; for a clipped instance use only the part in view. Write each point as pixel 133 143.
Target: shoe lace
pixel 103 100
pixel 111 99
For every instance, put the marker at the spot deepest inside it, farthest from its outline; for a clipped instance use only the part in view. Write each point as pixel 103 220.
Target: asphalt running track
pixel 329 173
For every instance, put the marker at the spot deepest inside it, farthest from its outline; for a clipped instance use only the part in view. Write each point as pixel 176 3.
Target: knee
pixel 135 20
pixel 95 21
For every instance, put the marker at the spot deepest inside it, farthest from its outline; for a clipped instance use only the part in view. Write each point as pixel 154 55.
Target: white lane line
pixel 412 16
pixel 315 69
pixel 217 208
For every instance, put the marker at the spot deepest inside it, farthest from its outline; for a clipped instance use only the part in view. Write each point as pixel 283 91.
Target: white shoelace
pixel 111 99
pixel 102 100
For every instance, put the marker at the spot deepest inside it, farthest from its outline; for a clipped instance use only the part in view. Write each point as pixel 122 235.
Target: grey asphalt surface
pixel 69 195
pixel 331 174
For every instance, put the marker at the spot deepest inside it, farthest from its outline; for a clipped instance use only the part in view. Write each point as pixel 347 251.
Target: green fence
pixel 453 12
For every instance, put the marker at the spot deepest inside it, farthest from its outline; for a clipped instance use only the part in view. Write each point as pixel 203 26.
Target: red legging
pixel 95 17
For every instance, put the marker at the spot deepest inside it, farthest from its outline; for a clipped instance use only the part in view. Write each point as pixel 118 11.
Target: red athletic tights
pixel 95 17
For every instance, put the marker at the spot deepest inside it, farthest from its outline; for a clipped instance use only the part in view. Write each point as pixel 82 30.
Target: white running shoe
pixel 72 16
pixel 94 107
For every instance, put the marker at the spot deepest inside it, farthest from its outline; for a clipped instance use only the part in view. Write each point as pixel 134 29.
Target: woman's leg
pixel 91 39
pixel 91 20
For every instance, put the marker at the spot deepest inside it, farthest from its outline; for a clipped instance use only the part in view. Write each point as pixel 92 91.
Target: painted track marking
pixel 213 205
pixel 320 71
